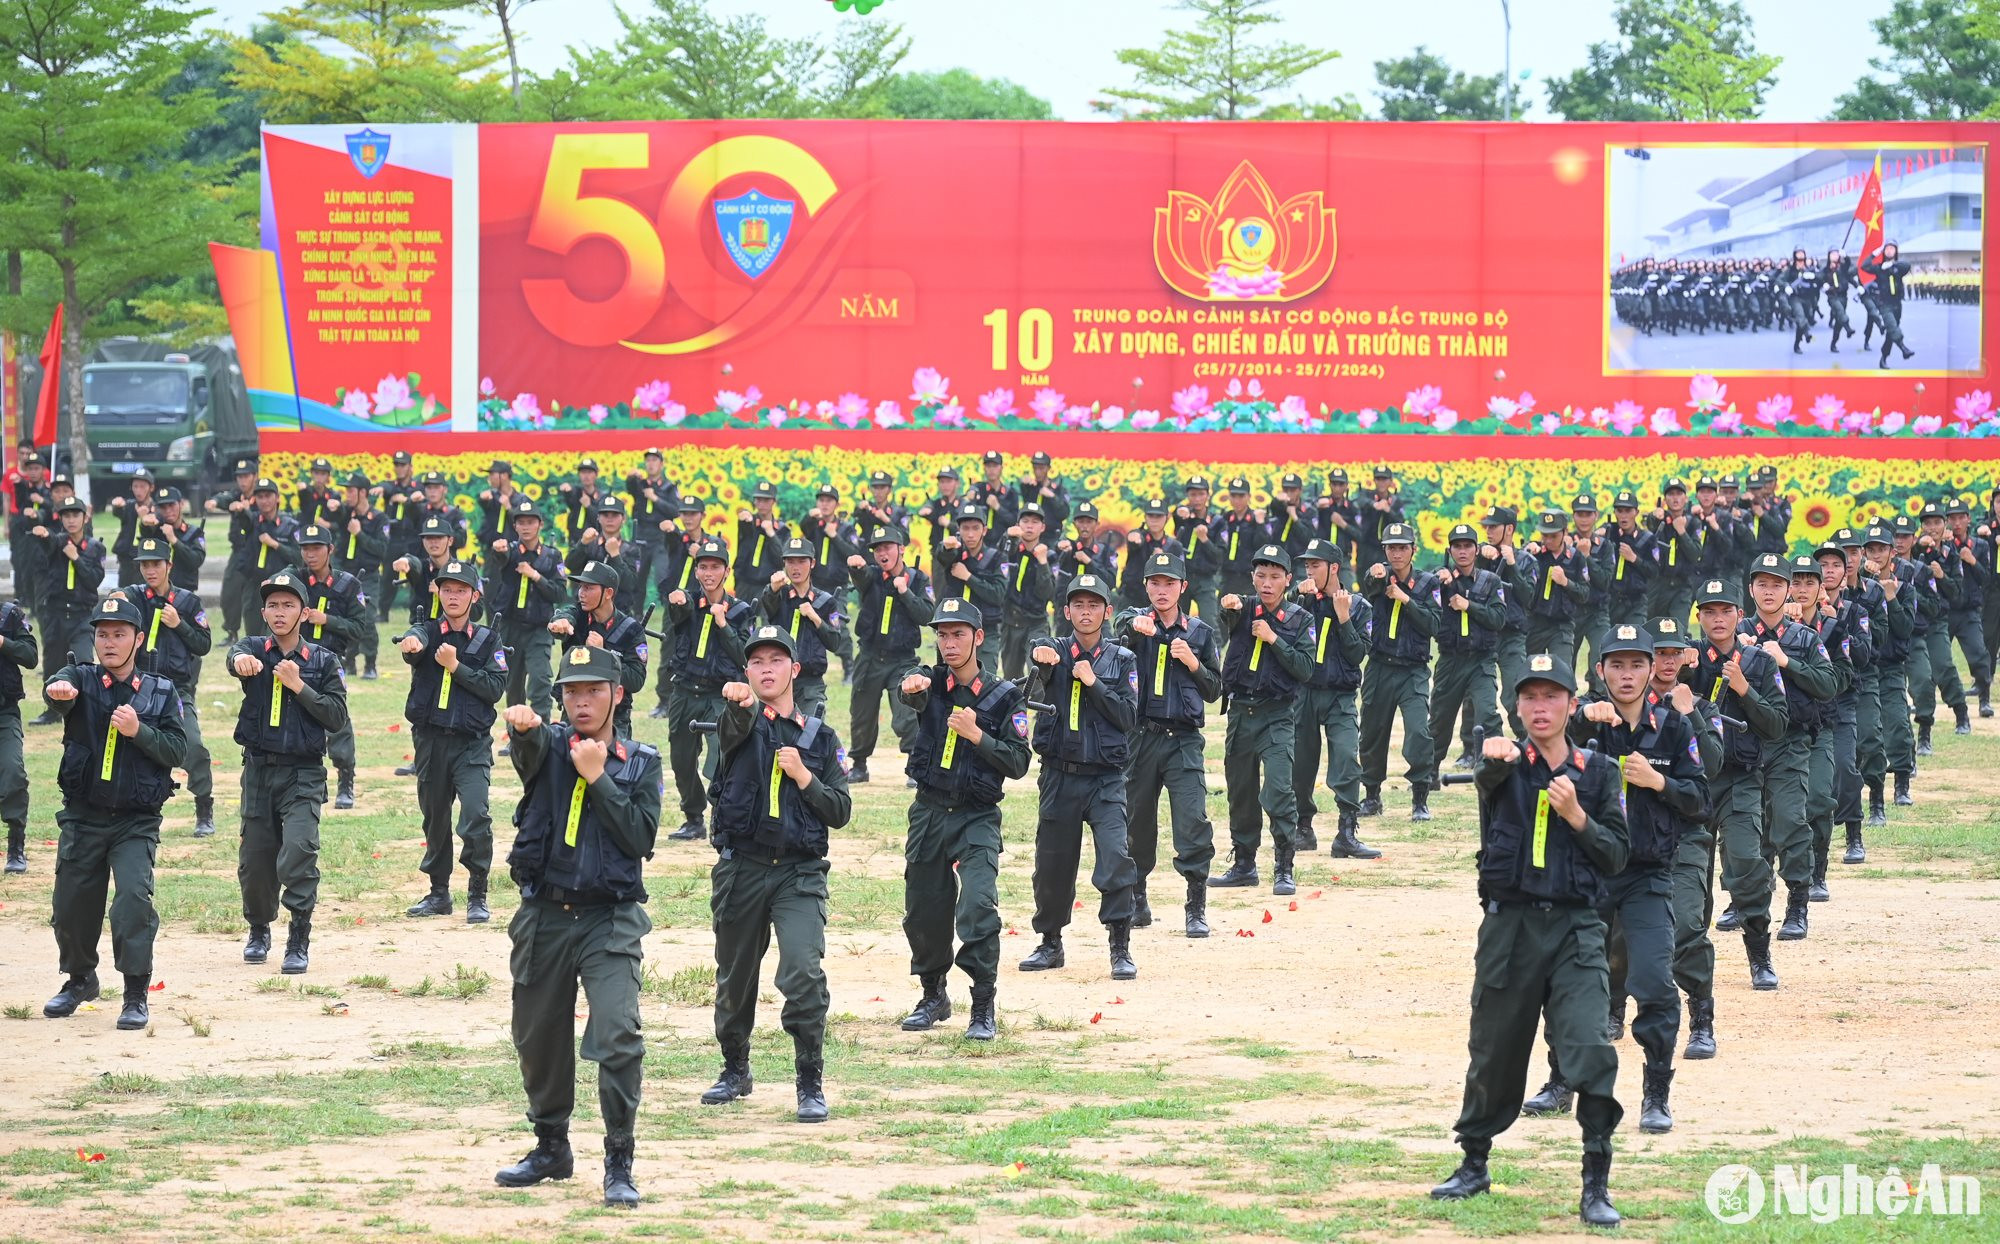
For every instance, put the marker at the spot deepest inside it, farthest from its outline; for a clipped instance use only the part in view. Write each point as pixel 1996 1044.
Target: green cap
pixel 455 571
pixel 1625 638
pixel 1542 667
pixel 771 637
pixel 586 664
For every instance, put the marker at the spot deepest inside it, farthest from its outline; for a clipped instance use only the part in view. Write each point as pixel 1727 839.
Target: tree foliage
pixel 1704 83
pixel 1940 62
pixel 1633 78
pixel 960 94
pixel 372 60
pixel 1219 70
pixel 1424 87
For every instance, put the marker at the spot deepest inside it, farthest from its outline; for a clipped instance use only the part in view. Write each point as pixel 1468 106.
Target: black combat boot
pixel 659 712
pixel 984 1025
pixel 619 1190
pixel 1119 934
pixel 204 816
pixel 1701 1029
pixel 1794 927
pixel 1242 872
pixel 1985 699
pixel 1595 1204
pixel 1857 851
pixel 371 673
pixel 1556 1097
pixel 1903 799
pixel 132 1016
pixel 1614 1022
pixel 344 798
pixel 1371 801
pixel 1470 1179
pixel 1281 872
pixel 1924 736
pixel 549 1159
pixel 1304 838
pixel 1420 807
pixel 1197 907
pixel 1142 911
pixel 75 991
pixel 1964 720
pixel 691 830
pixel 1731 921
pixel 17 848
pixel 1757 946
pixel 48 718
pixel 1047 956
pixel 1816 891
pixel 735 1080
pixel 257 947
pixel 1878 816
pixel 1347 845
pixel 476 911
pixel 1653 1113
pixel 406 771
pixel 932 1009
pixel 812 1092
pixel 858 775
pixel 298 944
pixel 436 903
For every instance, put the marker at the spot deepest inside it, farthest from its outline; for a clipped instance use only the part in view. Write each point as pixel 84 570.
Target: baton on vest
pixel 647 617
pixel 1037 707
pixel 1478 748
pixel 819 711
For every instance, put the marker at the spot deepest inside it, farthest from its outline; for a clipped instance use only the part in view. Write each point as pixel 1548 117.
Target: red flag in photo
pixel 1869 212
pixel 51 392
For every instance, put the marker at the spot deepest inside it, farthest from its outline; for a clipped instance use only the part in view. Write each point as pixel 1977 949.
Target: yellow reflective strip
pixel 950 749
pixel 1325 629
pixel 888 606
pixel 277 702
pixel 701 644
pixel 434 606
pixel 153 633
pixel 1548 582
pixel 1395 616
pixel 575 812
pixel 319 628
pixel 777 776
pixel 825 547
pixel 1286 534
pixel 1673 548
pixel 757 556
pixel 1075 704
pixel 687 568
pixel 521 601
pixel 1620 576
pixel 444 690
pixel 1232 546
pixel 1715 692
pixel 1160 673
pixel 110 750
pixel 1465 623
pixel 796 615
pixel 1541 828
pixel 351 538
pixel 1021 575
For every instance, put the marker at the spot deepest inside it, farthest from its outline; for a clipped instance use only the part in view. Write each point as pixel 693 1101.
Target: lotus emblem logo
pixel 1244 245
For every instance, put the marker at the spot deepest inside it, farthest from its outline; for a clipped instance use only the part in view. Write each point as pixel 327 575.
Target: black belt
pixel 1150 726
pixel 756 857
pixel 945 803
pixel 710 685
pixel 283 758
pixel 567 899
pixel 1493 905
pixel 1071 766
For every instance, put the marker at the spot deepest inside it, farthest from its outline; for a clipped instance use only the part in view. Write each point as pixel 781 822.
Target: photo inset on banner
pixel 1758 259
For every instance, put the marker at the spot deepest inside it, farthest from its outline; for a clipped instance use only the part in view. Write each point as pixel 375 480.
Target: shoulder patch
pixel 1694 750
pixel 642 651
pixel 500 657
pixel 1132 678
pixel 1021 723
pixel 201 617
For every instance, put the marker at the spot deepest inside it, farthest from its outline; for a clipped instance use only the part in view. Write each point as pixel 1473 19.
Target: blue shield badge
pixel 754 227
pixel 369 151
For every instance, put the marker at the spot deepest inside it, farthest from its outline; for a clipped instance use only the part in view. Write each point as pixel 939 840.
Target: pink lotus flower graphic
pixel 1222 283
pixel 652 396
pixel 1111 417
pixel 598 414
pixel 357 404
pixel 1502 408
pixel 889 414
pixel 927 387
pixel 1047 405
pixel 1626 416
pixel 1235 388
pixel 1598 417
pixel 1925 425
pixel 1366 417
pixel 852 408
pixel 1726 422
pixel 1077 417
pixel 672 413
pixel 524 407
pixel 1826 410
pixel 1145 420
pixel 1191 402
pixel 1705 393
pixel 951 416
pixel 1255 389
pixel 1444 419
pixel 392 393
pixel 996 404
pixel 1550 424
pixel 1858 422
pixel 486 388
pixel 729 402
pixel 1419 403
pixel 1775 409
pixel 1666 421
pixel 1892 423
pixel 1973 407
pixel 1294 411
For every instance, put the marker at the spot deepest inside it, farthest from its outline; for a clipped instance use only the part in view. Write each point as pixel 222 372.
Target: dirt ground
pixel 1307 1058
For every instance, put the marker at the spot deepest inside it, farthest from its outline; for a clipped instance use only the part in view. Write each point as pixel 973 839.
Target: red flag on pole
pixel 47 401
pixel 1869 212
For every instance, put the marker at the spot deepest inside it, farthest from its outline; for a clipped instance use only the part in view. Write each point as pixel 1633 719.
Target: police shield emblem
pixel 754 227
pixel 369 151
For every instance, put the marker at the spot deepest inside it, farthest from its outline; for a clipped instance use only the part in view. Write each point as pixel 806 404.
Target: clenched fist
pixel 522 718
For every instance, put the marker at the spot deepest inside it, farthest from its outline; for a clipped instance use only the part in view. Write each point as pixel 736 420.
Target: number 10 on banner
pixel 1034 339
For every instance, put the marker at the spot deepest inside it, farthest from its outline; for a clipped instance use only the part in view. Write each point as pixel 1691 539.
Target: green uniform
pixel 1694 873
pixel 1327 710
pixel 707 653
pixel 284 738
pixel 1810 683
pixel 450 716
pixel 1398 677
pixel 1468 640
pixel 1166 747
pixel 109 824
pixel 578 858
pixel 1258 743
pixel 1736 787
pixel 18 651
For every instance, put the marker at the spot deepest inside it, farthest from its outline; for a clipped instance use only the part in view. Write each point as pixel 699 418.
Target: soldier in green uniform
pixel 596 621
pixel 1553 579
pixel 1593 614
pixel 587 822
pixel 1191 526
pixel 892 603
pixel 971 736
pixel 1467 648
pixel 1268 661
pixel 1340 625
pixel 1834 781
pixel 527 581
pixel 676 566
pixel 175 637
pixel 361 539
pixel 239 582
pixel 966 567
pixel 778 791
pixel 814 621
pixel 1902 596
pixel 293 699
pixel 1499 556
pixel 608 542
pixel 1408 609
pixel 1694 855
pixel 121 742
pixel 69 588
pixel 1030 589
pixel 1551 825
pixel 709 625
pixel 1092 688
pixel 336 615
pixel 458 672
pixel 18 651
pixel 263 540
pixel 1180 668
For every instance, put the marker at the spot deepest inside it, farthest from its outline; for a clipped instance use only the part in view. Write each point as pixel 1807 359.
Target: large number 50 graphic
pixel 565 217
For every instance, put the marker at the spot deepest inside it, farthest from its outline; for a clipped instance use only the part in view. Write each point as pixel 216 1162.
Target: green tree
pixel 97 195
pixel 374 60
pixel 960 94
pixel 1218 70
pixel 1625 79
pixel 1423 87
pixel 1704 83
pixel 1940 62
pixel 505 12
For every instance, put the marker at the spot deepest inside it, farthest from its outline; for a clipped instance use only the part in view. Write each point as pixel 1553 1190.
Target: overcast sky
pixel 1063 50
